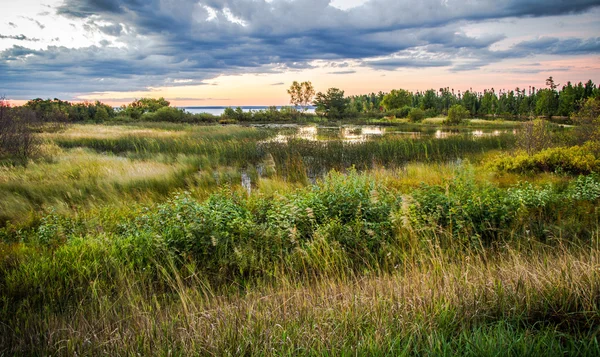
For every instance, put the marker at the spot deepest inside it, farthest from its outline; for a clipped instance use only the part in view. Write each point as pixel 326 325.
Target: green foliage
pixel 469 211
pixel 101 115
pixel 546 103
pixel 141 106
pixel 416 115
pixel 587 119
pixel 332 104
pixel 534 136
pixel 397 99
pixel 48 110
pixel 573 160
pixel 301 94
pixel 456 114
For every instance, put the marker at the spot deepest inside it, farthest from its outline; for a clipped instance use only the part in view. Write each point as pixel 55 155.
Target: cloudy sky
pixel 244 52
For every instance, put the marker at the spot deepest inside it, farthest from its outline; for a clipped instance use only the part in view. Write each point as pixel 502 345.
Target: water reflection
pixel 358 134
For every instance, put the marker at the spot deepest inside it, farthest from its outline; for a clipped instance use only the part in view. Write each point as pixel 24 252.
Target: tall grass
pixel 518 301
pixel 320 157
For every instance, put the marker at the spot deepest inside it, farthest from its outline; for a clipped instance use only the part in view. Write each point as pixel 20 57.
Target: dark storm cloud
pixel 556 46
pixel 166 41
pixel 111 30
pixel 88 8
pixel 544 45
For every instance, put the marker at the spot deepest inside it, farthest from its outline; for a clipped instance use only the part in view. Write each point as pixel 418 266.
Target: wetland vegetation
pixel 163 238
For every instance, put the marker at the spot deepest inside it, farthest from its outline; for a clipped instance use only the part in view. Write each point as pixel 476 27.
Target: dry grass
pixel 79 131
pixel 84 165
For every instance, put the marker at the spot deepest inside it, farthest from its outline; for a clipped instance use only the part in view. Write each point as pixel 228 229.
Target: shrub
pixel 416 115
pixel 573 160
pixel 464 208
pixel 456 114
pixel 401 112
pixel 169 114
pixel 17 140
pixel 101 115
pixel 588 121
pixel 534 136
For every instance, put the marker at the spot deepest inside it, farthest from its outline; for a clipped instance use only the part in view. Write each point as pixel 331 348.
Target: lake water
pixel 218 110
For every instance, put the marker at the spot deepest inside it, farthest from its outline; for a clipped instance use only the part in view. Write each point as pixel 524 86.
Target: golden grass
pixel 78 131
pixel 84 165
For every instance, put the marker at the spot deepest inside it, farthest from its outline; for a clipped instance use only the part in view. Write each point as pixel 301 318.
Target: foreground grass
pixel 512 302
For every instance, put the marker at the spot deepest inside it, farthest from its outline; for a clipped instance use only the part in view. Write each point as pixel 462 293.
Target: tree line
pixel 518 103
pixel 551 101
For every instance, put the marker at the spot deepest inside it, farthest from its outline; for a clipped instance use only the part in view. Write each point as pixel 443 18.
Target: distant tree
pixel 429 100
pixel 489 103
pixel 301 94
pixel 550 83
pixel 332 104
pixel 229 113
pixel 469 101
pixel 587 119
pixel 456 114
pixel 546 102
pixel 49 110
pixel 101 115
pixel 566 100
pixel 141 106
pixel 397 99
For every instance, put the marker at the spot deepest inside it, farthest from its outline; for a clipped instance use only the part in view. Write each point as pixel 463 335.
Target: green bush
pixel 467 210
pixel 416 115
pixel 573 160
pixel 401 112
pixel 456 114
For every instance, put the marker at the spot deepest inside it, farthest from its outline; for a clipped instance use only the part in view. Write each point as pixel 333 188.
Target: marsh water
pixel 315 150
pixel 363 133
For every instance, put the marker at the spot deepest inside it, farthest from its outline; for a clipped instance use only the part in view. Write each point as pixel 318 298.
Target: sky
pixel 248 52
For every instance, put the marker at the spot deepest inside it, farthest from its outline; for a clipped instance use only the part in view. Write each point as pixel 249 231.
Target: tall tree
pixel 332 104
pixel 301 94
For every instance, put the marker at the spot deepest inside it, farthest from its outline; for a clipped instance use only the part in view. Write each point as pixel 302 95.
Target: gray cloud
pixel 395 63
pixel 39 24
pixel 19 38
pixel 278 84
pixel 343 72
pixel 111 30
pixel 556 46
pixel 167 41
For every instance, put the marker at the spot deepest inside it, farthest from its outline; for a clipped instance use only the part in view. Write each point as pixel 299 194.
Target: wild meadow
pixel 153 238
